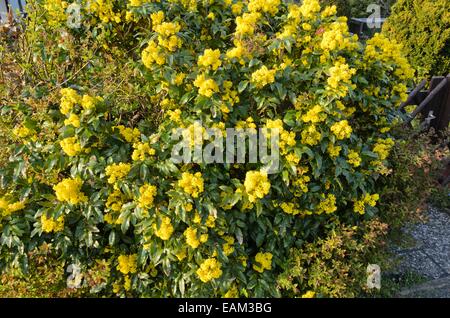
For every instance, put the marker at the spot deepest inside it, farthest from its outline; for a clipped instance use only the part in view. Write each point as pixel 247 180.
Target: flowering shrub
pixel 101 191
pixel 423 28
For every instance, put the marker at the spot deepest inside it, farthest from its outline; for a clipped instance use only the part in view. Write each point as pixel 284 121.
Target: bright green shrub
pixel 423 28
pixel 101 191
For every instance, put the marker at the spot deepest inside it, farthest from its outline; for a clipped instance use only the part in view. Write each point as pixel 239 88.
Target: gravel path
pixel 429 256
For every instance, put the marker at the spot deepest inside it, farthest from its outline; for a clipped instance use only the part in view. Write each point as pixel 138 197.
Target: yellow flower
pixel 70 146
pixel 209 270
pixel 232 293
pixel 89 102
pixel 7 208
pixel 114 201
pixel 192 184
pixel 191 237
pixel 152 54
pixel 333 150
pixel 309 294
pixel 147 195
pixel 263 76
pixel 23 132
pixel 141 150
pixel 360 205
pixel 328 205
pixel 207 87
pixel 353 158
pixel 341 130
pixel 165 229
pixel 130 134
pixel 314 115
pixel 127 264
pixel 210 58
pixel 263 262
pixel 245 24
pixel 50 225
pixel 69 190
pixel 181 255
pixel 311 136
pixel 157 18
pixel 228 247
pixel 73 120
pixel 116 172
pixel 383 147
pixel 69 98
pixel 257 185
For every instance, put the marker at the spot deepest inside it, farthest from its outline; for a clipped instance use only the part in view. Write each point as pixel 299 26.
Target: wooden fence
pixel 433 104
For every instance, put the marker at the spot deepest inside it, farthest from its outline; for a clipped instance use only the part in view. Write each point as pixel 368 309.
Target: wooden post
pixel 443 112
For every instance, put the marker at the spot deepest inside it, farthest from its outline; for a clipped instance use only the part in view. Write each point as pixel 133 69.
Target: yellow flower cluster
pixel 263 262
pixel 383 147
pixel 289 208
pixel 7 208
pixel 69 190
pixel 191 237
pixel 50 225
pixel 227 247
pixel 153 54
pixel 192 184
pixel 127 264
pixel 309 294
pixel 341 129
pixel 380 48
pixel 257 185
pixel 73 120
pixel 246 24
pixel 141 150
pixel 206 86
pixel 353 158
pixel 88 102
pixel 24 132
pixel 104 10
pixel 167 35
pixel 367 199
pixel 315 115
pixel 337 37
pixel 69 98
pixel 116 172
pixel 70 146
pixel 311 136
pixel 115 200
pixel 266 6
pixel 165 229
pixel 328 205
pixel 340 73
pixel 263 76
pixel 209 270
pixel 130 134
pixel 309 8
pixel 210 58
pixel 333 150
pixel 147 195
pixel 56 11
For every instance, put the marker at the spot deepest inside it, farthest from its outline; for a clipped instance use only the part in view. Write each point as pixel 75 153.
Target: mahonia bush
pixel 104 193
pixel 423 28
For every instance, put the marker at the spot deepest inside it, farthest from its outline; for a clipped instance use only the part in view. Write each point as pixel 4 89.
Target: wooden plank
pixel 426 104
pixel 412 97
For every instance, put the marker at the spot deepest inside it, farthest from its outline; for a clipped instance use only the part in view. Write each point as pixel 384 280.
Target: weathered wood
pixel 443 112
pixel 413 95
pixel 426 105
